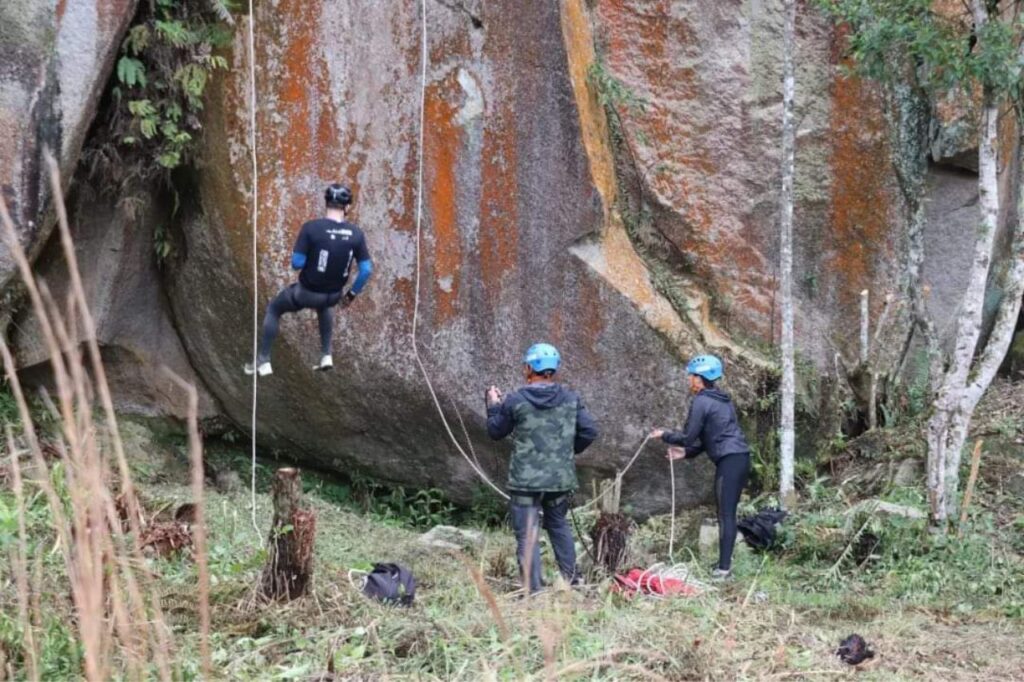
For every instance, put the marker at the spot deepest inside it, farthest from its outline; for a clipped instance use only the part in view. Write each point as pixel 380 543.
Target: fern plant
pixel 152 117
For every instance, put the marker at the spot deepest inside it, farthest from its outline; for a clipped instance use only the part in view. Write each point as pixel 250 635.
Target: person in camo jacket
pixel 549 426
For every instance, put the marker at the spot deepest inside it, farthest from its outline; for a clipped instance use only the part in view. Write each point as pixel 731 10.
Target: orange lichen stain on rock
pixel 112 15
pixel 404 293
pixel 440 156
pixel 402 216
pixel 1008 139
pixel 579 48
pixel 615 260
pixel 296 148
pixel 499 236
pixel 589 323
pixel 860 195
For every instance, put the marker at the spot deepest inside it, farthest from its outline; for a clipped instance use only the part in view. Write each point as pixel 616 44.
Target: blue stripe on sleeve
pixel 365 270
pixel 298 260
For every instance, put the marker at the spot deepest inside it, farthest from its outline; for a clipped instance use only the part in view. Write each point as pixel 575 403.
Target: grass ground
pixel 933 608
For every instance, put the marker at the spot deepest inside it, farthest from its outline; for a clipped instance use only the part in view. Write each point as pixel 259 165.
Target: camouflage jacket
pixel 549 427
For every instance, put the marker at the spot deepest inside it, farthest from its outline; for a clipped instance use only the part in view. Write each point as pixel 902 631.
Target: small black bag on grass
pixel 759 530
pixel 391 584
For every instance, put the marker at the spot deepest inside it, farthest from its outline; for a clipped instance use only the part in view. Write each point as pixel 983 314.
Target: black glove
pixel 347 299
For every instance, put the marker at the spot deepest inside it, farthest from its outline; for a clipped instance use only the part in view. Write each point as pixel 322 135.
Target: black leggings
pixel 730 478
pixel 291 300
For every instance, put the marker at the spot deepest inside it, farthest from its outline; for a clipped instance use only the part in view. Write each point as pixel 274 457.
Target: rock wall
pixel 630 236
pixel 522 235
pixel 123 287
pixel 508 195
pixel 55 59
pixel 706 149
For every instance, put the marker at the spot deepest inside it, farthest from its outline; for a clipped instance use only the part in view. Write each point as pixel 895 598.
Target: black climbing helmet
pixel 337 196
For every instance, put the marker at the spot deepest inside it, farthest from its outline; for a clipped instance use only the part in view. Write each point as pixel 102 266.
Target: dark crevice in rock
pixel 455 6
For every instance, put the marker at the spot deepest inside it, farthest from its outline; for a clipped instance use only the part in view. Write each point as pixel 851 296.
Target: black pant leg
pixel 730 478
pixel 527 530
pixel 283 303
pixel 556 523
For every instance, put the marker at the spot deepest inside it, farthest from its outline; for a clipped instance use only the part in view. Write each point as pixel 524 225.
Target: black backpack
pixel 760 530
pixel 391 584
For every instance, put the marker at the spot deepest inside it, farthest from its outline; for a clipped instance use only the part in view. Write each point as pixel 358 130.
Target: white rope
pixel 618 476
pixel 255 263
pixel 672 524
pixel 419 222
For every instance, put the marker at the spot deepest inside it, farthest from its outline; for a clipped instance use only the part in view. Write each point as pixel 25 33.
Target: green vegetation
pixel 387 504
pixel 933 606
pixel 150 124
pixel 8 407
pixel 948 53
pixel 611 92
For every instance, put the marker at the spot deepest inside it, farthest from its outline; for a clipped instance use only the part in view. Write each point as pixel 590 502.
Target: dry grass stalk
pixel 19 563
pixel 607 660
pixel 489 598
pixel 969 494
pixel 113 616
pixel 195 449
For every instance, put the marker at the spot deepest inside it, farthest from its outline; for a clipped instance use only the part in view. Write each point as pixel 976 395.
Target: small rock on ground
pixel 450 537
pixel 888 509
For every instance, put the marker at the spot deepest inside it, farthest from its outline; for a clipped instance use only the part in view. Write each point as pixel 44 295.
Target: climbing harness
pixel 416 300
pixel 255 263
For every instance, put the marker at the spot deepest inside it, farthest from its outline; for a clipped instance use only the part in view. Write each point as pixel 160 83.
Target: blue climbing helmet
pixel 542 357
pixel 706 366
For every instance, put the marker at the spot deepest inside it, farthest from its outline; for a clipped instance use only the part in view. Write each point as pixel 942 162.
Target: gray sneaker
pixel 326 363
pixel 263 369
pixel 721 575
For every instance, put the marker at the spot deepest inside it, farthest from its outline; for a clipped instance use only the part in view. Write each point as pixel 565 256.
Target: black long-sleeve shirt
pixel 711 427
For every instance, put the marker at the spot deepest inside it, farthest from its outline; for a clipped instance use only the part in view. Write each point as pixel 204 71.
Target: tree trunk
pixel 958 392
pixel 787 492
pixel 289 569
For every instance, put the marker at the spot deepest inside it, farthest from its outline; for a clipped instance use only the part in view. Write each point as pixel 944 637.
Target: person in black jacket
pixel 712 427
pixel 549 426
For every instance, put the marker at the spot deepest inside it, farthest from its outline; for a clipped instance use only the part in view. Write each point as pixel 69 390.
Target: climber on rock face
pixel 549 427
pixel 323 253
pixel 712 427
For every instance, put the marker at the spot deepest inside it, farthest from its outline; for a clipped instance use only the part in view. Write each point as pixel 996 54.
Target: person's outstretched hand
pixel 657 433
pixel 493 396
pixel 676 453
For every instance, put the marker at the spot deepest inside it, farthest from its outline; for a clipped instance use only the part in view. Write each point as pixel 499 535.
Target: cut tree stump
pixel 289 569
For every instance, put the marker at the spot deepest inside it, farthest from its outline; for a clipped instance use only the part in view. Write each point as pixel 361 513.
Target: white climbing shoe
pixel 264 369
pixel 326 363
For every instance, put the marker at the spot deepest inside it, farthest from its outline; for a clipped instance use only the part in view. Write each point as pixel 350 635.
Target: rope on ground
pixel 416 300
pixel 255 263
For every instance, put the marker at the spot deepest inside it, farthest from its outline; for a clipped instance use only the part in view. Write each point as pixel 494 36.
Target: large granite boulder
pixel 631 236
pixel 55 59
pixel 122 282
pixel 522 236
